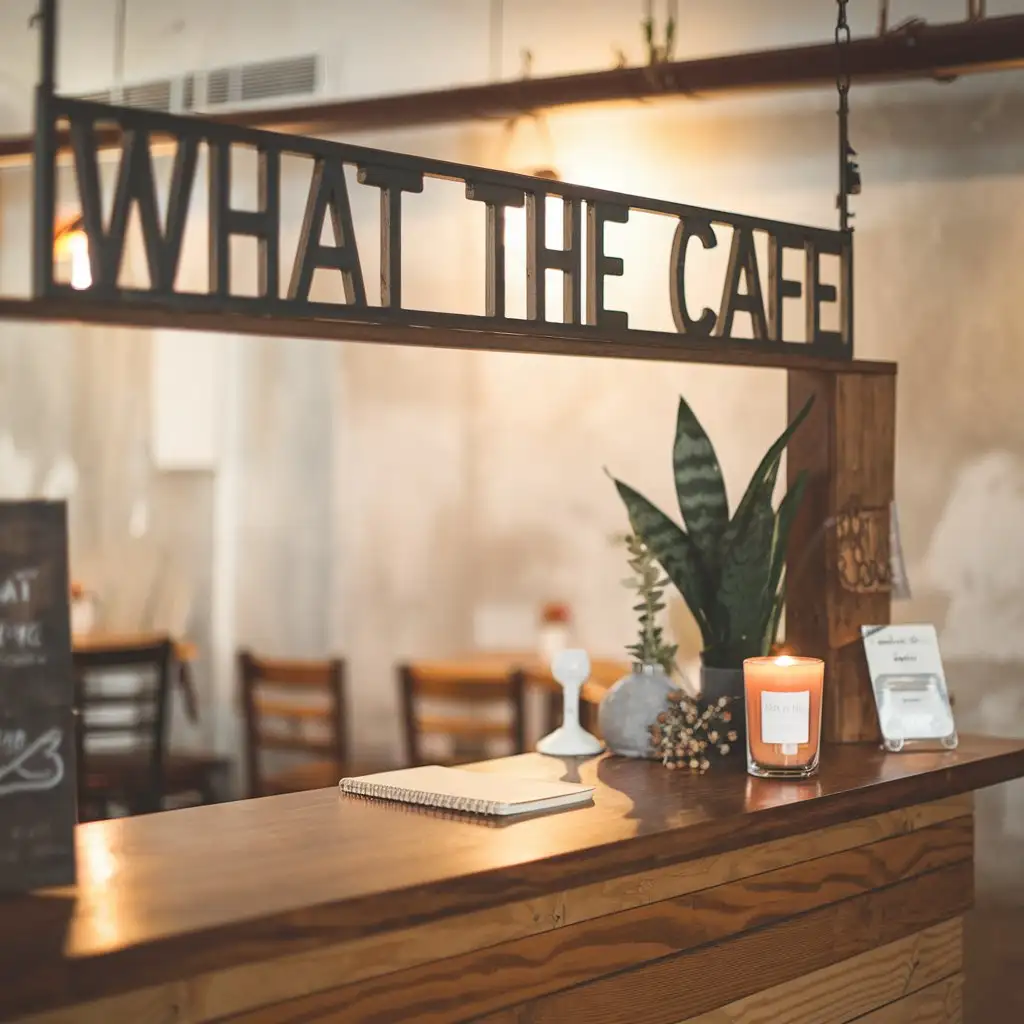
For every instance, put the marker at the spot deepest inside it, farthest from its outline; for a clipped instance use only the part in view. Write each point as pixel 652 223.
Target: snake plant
pixel 729 570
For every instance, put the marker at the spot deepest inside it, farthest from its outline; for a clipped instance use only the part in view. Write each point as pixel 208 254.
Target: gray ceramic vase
pixel 726 682
pixel 630 708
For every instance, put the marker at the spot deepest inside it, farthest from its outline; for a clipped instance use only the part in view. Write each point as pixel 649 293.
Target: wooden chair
pixel 121 699
pixel 474 692
pixel 284 716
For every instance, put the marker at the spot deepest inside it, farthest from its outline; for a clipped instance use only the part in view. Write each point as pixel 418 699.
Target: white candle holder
pixel 571 669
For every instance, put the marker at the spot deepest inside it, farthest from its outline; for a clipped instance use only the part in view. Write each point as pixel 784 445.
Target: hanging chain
pixel 849 172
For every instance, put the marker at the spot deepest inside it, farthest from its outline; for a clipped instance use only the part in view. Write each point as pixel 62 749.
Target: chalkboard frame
pixel 38 792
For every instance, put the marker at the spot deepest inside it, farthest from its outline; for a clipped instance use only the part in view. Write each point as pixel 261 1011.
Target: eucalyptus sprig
pixel 649 582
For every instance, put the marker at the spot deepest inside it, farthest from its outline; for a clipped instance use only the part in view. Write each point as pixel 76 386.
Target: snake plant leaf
pixel 699 486
pixel 673 549
pixel 768 469
pixel 746 568
pixel 776 616
pixel 756 501
pixel 783 523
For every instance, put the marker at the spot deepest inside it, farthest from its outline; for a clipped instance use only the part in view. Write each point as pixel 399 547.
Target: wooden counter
pixel 668 898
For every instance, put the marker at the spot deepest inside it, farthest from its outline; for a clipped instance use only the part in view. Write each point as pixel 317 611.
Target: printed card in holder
pixel 910 687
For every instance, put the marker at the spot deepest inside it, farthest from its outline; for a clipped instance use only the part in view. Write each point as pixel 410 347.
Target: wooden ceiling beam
pixel 548 339
pixel 919 50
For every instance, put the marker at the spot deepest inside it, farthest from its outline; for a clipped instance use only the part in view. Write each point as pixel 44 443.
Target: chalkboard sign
pixel 35 630
pixel 37 720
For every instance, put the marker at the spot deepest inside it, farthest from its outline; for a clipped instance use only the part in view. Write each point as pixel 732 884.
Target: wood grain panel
pixel 456 988
pixel 218 994
pixel 847 445
pixel 667 990
pixel 847 990
pixel 942 1003
pixel 161 898
pixel 690 876
pixel 159 1004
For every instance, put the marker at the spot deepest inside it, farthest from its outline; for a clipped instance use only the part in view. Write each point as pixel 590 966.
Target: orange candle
pixel 783 705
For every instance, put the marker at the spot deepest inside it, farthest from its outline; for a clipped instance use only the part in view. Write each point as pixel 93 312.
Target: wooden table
pixel 668 897
pixel 184 650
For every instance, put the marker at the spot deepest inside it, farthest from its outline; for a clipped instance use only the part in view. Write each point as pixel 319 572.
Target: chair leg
pixel 208 790
pixel 588 716
pixel 553 707
pixel 93 808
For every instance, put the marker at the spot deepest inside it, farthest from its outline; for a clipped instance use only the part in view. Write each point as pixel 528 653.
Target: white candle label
pixel 786 717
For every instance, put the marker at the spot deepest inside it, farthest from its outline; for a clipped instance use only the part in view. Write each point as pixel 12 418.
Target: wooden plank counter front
pixel 672 898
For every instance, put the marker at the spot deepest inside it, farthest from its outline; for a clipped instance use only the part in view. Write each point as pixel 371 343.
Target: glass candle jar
pixel 783 706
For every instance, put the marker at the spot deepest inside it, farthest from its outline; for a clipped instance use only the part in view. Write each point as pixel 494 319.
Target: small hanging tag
pixel 898 567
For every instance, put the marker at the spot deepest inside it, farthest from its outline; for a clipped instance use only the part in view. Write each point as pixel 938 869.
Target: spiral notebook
pixel 457 789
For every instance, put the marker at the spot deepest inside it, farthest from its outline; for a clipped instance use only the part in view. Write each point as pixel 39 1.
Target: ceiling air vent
pixel 96 97
pixel 223 87
pixel 218 88
pixel 267 80
pixel 188 92
pixel 173 95
pixel 148 95
pixel 296 77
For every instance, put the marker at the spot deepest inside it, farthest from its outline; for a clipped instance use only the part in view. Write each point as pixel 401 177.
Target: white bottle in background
pixel 83 611
pixel 555 632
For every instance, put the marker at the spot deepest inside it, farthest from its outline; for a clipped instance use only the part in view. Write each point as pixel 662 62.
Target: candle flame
pixel 785 659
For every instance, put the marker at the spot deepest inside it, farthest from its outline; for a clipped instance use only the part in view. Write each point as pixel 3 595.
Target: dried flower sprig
pixel 689 732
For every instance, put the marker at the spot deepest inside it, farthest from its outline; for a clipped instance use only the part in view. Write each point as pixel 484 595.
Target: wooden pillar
pixel 838 564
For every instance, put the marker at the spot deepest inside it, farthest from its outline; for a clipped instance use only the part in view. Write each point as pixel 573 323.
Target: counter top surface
pixel 181 892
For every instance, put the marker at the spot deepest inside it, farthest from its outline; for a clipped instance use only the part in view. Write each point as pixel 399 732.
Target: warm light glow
pixel 78 249
pixel 785 659
pixel 72 244
pixel 528 147
pixel 99 864
pixel 515 235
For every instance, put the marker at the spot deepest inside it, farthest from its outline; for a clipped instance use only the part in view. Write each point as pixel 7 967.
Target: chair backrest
pixel 121 700
pixel 292 706
pixel 459 698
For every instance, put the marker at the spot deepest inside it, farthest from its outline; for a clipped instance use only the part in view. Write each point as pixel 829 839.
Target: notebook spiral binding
pixel 380 791
pixel 465 817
